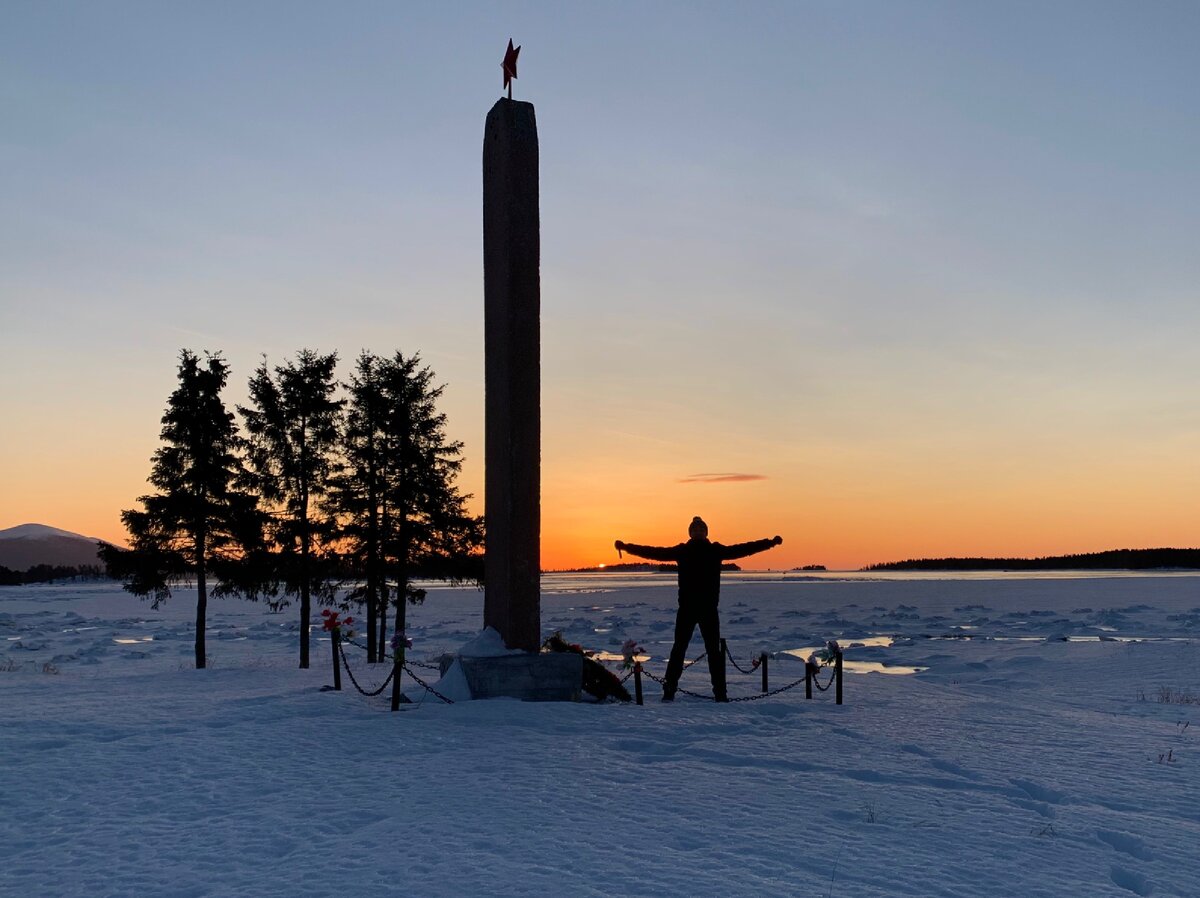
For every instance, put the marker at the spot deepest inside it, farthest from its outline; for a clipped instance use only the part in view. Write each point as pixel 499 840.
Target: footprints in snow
pixel 939 764
pixel 1042 799
pixel 1037 798
pixel 951 767
pixel 1131 880
pixel 1038 792
pixel 1131 845
pixel 1126 843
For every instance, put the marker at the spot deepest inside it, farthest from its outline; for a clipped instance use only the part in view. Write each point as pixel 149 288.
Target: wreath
pixel 598 680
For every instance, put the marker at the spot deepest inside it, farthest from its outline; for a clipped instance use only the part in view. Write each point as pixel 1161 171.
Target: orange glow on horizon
pixel 845 513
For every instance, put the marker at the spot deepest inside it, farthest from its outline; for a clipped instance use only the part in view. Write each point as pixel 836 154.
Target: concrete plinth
pixel 548 677
pixel 512 309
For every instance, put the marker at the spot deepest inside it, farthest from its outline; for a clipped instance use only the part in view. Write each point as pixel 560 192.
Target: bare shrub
pixel 1168 696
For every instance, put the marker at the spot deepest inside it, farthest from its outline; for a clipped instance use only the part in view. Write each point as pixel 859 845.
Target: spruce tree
pixel 428 531
pixel 292 426
pixel 360 489
pixel 404 517
pixel 199 522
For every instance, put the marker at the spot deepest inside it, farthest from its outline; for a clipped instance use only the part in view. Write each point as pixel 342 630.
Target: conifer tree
pixel 360 490
pixel 292 426
pixel 404 517
pixel 199 522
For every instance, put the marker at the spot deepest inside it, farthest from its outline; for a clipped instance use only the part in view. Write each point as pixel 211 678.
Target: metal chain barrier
pixel 743 698
pixel 407 670
pixel 426 686
pixel 729 655
pixel 825 688
pixel 346 664
pixel 685 667
pixel 384 656
pixel 662 682
pixel 754 698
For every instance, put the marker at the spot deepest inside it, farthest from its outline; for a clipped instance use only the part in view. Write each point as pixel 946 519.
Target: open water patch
pixel 851 665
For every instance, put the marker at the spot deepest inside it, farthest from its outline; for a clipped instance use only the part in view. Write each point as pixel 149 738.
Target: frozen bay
pixel 1047 747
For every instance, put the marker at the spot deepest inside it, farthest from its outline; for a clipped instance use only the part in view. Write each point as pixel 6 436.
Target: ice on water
pixel 1046 746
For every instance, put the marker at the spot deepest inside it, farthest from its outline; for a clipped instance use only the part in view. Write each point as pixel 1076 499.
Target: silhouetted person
pixel 699 591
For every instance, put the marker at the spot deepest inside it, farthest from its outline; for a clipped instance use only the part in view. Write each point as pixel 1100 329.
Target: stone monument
pixel 512 346
pixel 512 454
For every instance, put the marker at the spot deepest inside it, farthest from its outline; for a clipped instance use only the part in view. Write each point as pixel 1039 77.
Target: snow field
pixel 1014 764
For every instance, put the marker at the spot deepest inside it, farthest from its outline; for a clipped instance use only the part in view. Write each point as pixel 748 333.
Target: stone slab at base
pixel 546 677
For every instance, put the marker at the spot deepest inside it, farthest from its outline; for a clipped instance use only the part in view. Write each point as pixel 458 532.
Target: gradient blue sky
pixel 930 270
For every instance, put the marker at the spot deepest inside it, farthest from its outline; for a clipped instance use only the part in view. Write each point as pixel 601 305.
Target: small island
pixel 1115 559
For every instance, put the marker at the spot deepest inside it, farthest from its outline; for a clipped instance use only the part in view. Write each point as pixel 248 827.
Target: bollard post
pixel 764 667
pixel 397 669
pixel 637 680
pixel 837 668
pixel 336 641
pixel 808 670
pixel 724 661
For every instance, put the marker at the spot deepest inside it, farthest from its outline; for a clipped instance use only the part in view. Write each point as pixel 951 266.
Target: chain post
pixel 808 678
pixel 837 670
pixel 398 662
pixel 763 661
pixel 724 660
pixel 637 680
pixel 336 643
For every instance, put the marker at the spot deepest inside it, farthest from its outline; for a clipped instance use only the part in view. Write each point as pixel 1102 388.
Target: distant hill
pixel 1113 560
pixel 26 545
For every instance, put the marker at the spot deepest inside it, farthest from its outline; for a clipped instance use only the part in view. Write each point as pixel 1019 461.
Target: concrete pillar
pixel 512 309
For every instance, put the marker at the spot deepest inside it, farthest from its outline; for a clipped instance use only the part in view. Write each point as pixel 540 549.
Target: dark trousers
pixel 710 629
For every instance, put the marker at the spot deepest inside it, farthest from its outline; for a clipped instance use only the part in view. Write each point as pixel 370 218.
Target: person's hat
pixel 697 528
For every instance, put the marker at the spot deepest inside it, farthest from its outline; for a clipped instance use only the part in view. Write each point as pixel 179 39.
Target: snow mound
pixel 453 684
pixel 487 644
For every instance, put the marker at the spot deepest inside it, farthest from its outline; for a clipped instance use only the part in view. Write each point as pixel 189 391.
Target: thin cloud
pixel 722 478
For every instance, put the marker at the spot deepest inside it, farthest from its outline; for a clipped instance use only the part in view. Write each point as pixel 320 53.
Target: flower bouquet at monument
pixel 333 624
pixel 629 652
pixel 824 657
pixel 598 680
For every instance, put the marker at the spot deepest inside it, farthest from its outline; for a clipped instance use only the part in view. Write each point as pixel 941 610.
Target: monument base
pixel 543 677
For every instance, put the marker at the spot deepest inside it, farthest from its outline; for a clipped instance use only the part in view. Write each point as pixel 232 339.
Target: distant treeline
pixel 44 573
pixel 1116 559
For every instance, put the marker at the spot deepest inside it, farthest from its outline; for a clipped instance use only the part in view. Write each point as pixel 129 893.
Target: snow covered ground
pixel 1054 752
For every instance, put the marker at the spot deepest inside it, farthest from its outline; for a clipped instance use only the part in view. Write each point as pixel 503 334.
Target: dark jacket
pixel 699 566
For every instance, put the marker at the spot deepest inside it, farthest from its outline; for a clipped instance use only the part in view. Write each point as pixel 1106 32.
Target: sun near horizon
pixel 843 542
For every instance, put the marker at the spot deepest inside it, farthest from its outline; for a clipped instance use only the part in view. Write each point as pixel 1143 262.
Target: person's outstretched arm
pixel 654 553
pixel 741 550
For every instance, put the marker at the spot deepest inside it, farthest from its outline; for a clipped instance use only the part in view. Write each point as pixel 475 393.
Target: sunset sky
pixel 914 279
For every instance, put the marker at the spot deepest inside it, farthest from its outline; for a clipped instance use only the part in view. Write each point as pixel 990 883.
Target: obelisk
pixel 512 370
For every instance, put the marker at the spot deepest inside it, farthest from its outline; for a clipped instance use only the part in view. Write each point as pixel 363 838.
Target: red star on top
pixel 510 66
